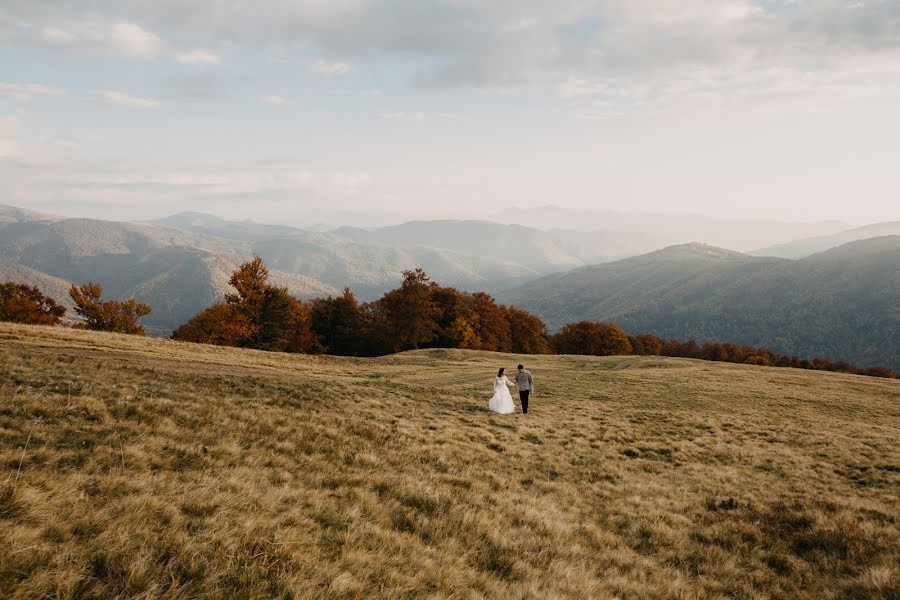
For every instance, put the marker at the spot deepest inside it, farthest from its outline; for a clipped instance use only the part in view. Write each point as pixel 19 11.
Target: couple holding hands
pixel 502 401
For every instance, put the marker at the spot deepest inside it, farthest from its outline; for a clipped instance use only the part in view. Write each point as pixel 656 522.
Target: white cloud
pixel 274 100
pixel 402 116
pixel 26 91
pixel 122 99
pixel 132 40
pixel 198 56
pixel 329 68
pixel 57 36
pixel 375 92
pixel 128 39
pixel 504 44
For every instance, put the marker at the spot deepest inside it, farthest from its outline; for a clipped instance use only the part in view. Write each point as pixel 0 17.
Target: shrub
pixel 108 315
pixel 20 303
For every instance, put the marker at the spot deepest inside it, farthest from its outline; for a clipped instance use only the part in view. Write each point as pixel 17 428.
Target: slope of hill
pixel 813 245
pixel 218 472
pixel 842 304
pixel 14 214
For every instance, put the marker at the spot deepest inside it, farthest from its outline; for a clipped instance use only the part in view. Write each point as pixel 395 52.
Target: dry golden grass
pixel 159 469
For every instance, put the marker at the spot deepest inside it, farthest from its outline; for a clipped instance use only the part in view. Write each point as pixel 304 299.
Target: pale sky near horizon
pixel 285 111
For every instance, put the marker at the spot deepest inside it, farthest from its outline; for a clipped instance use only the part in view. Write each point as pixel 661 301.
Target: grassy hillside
pixel 841 304
pixel 142 467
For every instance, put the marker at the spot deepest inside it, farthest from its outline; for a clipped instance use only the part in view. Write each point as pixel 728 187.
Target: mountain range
pixel 841 304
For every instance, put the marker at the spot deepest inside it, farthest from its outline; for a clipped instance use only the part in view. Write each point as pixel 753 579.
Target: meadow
pixel 147 468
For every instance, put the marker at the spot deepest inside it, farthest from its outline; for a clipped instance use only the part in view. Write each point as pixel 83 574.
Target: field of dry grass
pixel 147 468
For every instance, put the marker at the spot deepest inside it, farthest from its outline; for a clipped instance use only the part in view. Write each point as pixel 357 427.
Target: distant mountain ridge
pixel 809 246
pixel 841 304
pixel 181 264
pixel 671 229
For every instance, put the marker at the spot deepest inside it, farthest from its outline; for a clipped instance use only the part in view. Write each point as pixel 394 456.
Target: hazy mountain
pixel 808 246
pixel 664 229
pixel 372 261
pixel 371 268
pixel 210 225
pixel 177 273
pixel 181 269
pixel 536 249
pixel 13 214
pixel 841 304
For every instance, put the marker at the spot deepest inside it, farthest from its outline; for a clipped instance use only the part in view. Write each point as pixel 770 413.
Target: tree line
pixel 418 314
pixel 22 303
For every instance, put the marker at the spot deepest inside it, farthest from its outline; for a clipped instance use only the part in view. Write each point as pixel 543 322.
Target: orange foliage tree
pixel 592 338
pixel 107 315
pixel 256 315
pixel 411 311
pixel 20 303
pixel 528 334
pixel 221 324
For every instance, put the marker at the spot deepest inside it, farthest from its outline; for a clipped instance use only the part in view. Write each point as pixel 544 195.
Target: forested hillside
pixel 841 304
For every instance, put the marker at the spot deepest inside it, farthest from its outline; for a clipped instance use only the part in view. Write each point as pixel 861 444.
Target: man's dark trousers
pixel 523 398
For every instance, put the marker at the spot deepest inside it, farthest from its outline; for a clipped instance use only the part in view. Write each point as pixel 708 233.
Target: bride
pixel 502 402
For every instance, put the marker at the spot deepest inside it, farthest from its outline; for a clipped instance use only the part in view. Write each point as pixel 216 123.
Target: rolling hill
pixel 841 304
pixel 178 274
pixel 813 245
pixel 181 264
pixel 137 467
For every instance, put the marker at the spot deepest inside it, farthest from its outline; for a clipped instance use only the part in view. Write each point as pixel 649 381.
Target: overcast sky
pixel 292 110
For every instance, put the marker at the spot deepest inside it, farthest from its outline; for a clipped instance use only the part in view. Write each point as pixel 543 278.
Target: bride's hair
pixel 500 373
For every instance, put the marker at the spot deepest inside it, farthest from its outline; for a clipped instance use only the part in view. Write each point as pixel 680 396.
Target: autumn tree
pixel 256 315
pixel 249 281
pixel 340 323
pixel 20 303
pixel 107 315
pixel 647 344
pixel 878 372
pixel 528 334
pixel 221 324
pixel 592 338
pixel 412 311
pixel 490 323
pixel 301 337
pixel 455 319
pixel 284 324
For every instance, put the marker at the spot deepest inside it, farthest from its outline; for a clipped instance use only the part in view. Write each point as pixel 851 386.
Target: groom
pixel 525 383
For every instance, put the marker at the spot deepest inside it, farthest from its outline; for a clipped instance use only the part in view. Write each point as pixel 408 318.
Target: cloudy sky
pixel 305 110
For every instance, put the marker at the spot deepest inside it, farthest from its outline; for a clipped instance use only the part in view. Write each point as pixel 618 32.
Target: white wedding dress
pixel 502 401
